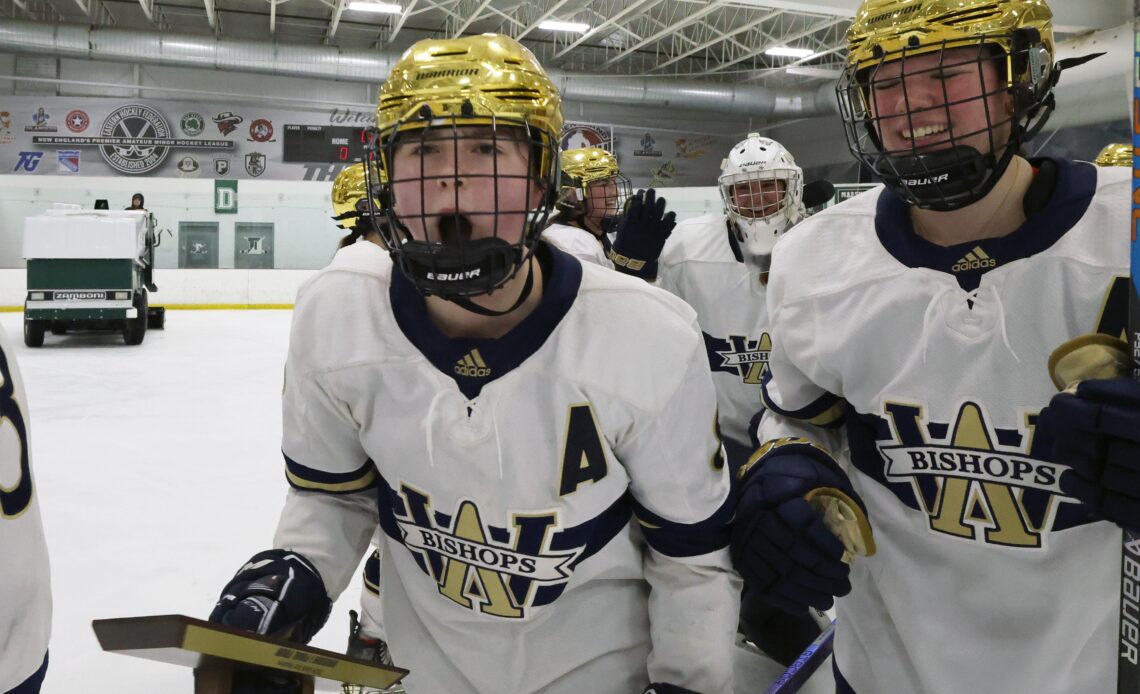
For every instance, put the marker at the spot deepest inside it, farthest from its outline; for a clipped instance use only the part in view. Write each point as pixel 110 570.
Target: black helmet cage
pixel 613 199
pixel 954 174
pixel 457 267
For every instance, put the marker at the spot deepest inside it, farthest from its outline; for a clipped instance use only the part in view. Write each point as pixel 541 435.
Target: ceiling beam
pixel 148 9
pixel 471 18
pixel 403 18
pixel 690 19
pixel 717 39
pixel 334 22
pixel 633 7
pixel 211 15
pixel 542 18
pixel 825 24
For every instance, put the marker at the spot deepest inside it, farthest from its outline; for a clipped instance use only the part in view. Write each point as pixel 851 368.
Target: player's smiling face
pixel 602 200
pixel 758 199
pixel 455 185
pixel 938 100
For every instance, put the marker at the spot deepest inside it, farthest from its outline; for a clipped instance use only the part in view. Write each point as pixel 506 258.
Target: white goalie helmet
pixel 758 206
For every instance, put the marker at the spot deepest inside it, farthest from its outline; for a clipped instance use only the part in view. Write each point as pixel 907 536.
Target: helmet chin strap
pixel 466 303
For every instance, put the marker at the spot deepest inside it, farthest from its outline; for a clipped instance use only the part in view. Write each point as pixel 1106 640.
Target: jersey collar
pixel 1073 185
pixel 474 362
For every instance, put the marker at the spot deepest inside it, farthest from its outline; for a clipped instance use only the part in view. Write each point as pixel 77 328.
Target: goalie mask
pixel 937 96
pixel 468 134
pixel 593 187
pixel 762 189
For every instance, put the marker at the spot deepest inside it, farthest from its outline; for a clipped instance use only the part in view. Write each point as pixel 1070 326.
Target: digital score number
pixel 324 144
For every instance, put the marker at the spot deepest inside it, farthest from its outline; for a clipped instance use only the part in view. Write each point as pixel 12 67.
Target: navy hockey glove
pixel 1096 432
pixel 641 235
pixel 780 546
pixel 662 688
pixel 277 593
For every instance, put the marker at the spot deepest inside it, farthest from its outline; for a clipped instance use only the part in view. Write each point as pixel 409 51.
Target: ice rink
pixel 159 473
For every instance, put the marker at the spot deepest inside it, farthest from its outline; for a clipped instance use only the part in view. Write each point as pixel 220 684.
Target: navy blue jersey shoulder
pixel 1073 185
pixel 474 362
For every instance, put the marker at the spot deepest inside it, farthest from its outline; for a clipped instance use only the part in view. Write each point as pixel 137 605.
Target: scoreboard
pixel 324 144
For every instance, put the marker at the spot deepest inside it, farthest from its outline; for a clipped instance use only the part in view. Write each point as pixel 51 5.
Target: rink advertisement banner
pixel 89 136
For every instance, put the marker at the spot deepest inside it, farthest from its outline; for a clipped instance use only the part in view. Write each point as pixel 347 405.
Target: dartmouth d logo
pixel 134 130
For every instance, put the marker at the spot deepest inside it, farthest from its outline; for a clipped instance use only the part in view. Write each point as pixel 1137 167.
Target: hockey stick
pixel 809 661
pixel 1128 661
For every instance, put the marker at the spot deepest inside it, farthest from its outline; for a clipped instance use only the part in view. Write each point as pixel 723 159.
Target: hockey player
pixel 366 636
pixel 718 264
pixel 25 582
pixel 350 203
pixel 921 317
pixel 593 195
pixel 555 516
pixel 1117 154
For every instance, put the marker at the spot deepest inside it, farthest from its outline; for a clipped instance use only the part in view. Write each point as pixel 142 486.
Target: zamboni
pixel 90 270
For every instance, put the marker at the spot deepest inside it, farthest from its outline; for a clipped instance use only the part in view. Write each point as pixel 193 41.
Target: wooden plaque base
pixel 216 653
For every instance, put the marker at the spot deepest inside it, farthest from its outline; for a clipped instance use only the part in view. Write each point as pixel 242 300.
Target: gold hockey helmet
pixel 1116 154
pixel 1015 35
pixel 589 164
pixel 885 28
pixel 602 204
pixel 476 80
pixel 454 89
pixel 350 193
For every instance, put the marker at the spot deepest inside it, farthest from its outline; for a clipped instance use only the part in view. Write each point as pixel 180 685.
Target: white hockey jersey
pixel 987 578
pixel 532 489
pixel 577 242
pixel 701 264
pixel 25 581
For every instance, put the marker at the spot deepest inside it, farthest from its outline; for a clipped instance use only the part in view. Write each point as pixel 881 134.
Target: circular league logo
pixel 192 124
pixel 136 126
pixel 77 121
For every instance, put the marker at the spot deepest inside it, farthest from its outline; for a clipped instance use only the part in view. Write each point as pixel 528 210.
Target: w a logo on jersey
pixel 740 355
pixel 491 570
pixel 976 482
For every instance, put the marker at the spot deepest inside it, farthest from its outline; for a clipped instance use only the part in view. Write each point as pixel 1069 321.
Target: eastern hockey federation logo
pixel 741 355
pixel 490 570
pixel 975 482
pixel 137 126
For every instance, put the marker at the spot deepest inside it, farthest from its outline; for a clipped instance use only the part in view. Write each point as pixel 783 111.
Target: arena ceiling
pixel 714 40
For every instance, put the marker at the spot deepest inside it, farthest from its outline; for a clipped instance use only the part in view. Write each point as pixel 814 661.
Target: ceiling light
pixel 551 25
pixel 789 52
pixel 379 7
pixel 816 72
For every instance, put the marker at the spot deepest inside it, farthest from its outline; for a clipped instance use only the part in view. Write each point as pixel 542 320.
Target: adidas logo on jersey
pixel 974 260
pixel 472 365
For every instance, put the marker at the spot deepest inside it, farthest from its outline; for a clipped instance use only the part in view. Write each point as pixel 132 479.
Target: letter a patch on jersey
pixel 583 458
